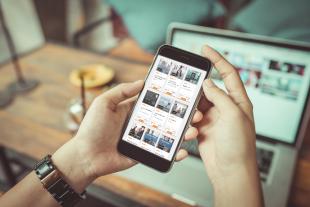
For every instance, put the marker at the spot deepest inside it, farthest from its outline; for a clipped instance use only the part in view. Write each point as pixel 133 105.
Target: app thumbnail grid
pixel 160 115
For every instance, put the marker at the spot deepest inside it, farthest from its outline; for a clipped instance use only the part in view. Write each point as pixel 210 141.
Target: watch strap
pixel 52 181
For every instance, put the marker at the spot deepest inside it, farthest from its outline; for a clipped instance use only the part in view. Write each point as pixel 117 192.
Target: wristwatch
pixel 52 181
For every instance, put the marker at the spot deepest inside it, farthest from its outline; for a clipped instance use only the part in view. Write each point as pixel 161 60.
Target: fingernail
pixel 208 83
pixel 204 48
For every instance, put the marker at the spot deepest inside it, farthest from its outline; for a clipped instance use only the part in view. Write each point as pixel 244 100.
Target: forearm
pixel 241 188
pixel 30 191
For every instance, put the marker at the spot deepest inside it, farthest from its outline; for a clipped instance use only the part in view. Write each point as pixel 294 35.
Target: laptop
pixel 276 74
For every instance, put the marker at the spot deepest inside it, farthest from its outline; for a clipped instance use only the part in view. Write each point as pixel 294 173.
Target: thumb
pixel 218 97
pixel 123 92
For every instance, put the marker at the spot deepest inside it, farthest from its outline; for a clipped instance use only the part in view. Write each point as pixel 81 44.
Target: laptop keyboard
pixel 264 160
pixel 264 157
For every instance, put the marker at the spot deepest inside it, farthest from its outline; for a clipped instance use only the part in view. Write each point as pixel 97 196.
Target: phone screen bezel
pixel 141 155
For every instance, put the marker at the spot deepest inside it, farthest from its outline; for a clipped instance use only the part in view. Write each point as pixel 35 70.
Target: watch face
pixel 44 170
pixel 52 181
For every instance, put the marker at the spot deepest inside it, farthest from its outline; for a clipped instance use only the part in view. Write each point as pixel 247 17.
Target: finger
pixel 204 104
pixel 131 101
pixel 197 117
pixel 191 133
pixel 231 79
pixel 181 155
pixel 122 92
pixel 218 97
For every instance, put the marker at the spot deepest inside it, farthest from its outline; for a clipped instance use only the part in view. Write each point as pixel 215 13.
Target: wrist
pixel 72 166
pixel 242 183
pixel 234 174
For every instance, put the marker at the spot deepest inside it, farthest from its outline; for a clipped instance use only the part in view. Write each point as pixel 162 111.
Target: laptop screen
pixel 276 78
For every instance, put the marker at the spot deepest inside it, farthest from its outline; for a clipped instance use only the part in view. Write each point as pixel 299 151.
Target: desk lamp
pixel 21 85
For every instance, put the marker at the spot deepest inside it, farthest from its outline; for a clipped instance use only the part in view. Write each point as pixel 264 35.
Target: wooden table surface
pixel 34 123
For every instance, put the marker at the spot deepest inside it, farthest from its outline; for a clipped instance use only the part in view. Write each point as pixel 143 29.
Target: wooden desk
pixel 33 124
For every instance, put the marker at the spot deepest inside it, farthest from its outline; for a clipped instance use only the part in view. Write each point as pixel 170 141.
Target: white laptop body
pixel 276 74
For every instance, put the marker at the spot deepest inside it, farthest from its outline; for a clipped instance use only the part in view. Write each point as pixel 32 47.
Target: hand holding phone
pixel 93 150
pixel 155 129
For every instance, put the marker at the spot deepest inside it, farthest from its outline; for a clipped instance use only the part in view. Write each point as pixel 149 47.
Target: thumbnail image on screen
pixel 165 103
pixel 165 143
pixel 151 137
pixel 136 131
pixel 178 71
pixel 164 66
pixel 193 76
pixel 150 98
pixel 179 109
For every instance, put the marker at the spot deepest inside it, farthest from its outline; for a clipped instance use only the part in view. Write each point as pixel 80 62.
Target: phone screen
pixel 164 106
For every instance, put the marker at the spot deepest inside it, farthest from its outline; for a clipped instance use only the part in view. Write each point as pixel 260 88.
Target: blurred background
pixel 115 26
pixel 48 45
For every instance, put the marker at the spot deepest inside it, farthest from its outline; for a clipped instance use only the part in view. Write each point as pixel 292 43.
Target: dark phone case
pixel 165 162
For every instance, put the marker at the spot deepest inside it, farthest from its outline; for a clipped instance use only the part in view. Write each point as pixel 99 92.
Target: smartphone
pixel 154 130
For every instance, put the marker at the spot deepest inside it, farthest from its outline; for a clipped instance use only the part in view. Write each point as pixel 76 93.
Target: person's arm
pixel 91 153
pixel 30 192
pixel 227 138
